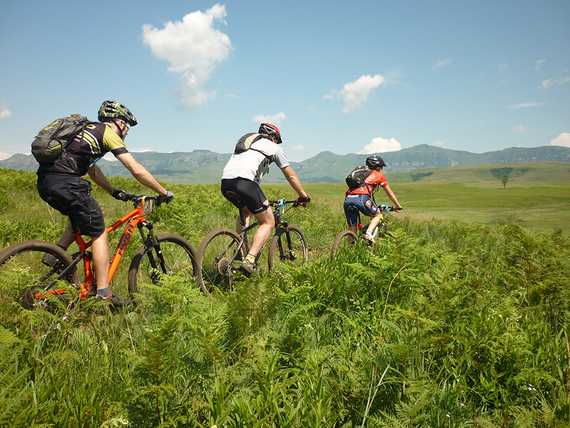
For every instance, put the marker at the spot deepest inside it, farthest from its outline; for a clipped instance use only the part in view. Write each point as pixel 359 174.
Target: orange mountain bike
pixel 37 267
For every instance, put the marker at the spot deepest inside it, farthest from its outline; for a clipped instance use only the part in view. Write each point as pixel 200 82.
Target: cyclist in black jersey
pixel 61 186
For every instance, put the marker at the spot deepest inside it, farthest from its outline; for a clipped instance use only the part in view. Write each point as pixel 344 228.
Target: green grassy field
pixel 455 324
pixel 538 199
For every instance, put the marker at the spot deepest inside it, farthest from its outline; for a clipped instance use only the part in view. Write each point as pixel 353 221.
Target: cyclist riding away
pixel 363 183
pixel 253 155
pixel 61 185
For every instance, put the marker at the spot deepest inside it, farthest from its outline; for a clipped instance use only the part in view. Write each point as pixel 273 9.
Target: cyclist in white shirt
pixel 253 155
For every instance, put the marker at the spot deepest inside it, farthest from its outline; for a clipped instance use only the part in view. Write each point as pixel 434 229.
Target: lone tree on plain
pixel 503 174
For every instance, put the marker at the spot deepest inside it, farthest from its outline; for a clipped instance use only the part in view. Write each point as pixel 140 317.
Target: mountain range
pixel 204 166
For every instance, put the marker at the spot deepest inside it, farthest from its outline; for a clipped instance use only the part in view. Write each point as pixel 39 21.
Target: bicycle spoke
pixel 288 247
pixel 174 257
pixel 219 255
pixel 33 270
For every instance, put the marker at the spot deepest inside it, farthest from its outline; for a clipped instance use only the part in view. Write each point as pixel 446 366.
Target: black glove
pixel 166 198
pixel 303 200
pixel 121 195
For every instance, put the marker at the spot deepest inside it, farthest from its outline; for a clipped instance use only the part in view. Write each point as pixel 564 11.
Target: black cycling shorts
pixel 71 196
pixel 244 193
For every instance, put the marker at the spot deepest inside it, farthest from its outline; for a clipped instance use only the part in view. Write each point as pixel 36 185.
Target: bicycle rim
pixel 178 259
pixel 343 242
pixel 220 251
pixel 289 247
pixel 32 273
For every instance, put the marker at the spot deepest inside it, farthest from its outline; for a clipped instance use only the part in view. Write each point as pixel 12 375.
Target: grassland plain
pixel 449 324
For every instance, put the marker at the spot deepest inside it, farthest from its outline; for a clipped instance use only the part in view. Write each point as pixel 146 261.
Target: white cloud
pixel 193 48
pixel 381 145
pixel 549 83
pixel 528 104
pixel 4 113
pixel 354 94
pixel 538 64
pixel 298 147
pixel 440 143
pixel 4 156
pixel 562 140
pixel 441 63
pixel 275 118
pixel 520 129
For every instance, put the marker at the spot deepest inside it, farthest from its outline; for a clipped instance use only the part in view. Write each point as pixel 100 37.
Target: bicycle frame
pixel 280 225
pixel 384 211
pixel 134 219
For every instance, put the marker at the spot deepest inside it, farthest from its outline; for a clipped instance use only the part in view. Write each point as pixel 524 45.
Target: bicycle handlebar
pixel 283 202
pixel 148 202
pixel 389 208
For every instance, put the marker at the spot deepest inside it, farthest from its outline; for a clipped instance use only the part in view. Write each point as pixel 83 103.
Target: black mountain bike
pixel 222 249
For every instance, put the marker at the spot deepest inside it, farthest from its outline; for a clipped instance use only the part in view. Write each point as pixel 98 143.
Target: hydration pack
pixel 357 176
pixel 245 142
pixel 52 140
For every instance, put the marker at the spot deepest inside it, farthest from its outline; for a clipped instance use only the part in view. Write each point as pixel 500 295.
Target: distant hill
pixel 204 166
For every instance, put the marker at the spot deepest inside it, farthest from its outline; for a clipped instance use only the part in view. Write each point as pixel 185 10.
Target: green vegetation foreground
pixel 447 325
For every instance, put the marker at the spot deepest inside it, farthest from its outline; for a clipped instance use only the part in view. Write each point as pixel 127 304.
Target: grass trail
pixel 449 324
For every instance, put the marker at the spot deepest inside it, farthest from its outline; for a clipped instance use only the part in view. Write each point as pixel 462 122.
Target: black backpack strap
pixel 255 139
pixel 71 138
pixel 264 154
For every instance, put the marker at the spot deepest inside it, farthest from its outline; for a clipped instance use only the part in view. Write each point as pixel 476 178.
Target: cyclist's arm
pixel 294 181
pixel 392 196
pixel 140 173
pixel 99 178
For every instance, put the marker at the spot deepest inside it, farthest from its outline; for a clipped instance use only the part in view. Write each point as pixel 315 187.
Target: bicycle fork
pixel 282 251
pixel 151 243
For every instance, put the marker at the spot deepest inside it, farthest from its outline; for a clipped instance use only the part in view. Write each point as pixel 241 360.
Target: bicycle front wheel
pixel 33 268
pixel 218 250
pixel 173 257
pixel 343 241
pixel 288 246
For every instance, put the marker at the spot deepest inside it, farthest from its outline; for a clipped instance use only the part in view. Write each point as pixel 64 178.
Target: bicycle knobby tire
pixel 210 276
pixel 301 253
pixel 26 258
pixel 162 238
pixel 344 237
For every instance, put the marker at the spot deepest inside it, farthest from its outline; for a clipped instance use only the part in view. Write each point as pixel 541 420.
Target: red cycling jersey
pixel 375 179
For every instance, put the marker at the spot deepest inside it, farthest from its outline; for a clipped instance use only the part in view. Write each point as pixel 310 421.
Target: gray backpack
pixel 52 140
pixel 357 177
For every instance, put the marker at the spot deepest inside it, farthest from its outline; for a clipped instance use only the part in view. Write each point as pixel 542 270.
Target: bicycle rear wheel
pixel 33 269
pixel 288 246
pixel 177 257
pixel 218 250
pixel 343 241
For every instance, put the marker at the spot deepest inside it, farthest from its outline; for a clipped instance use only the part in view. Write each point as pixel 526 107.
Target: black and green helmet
pixel 110 110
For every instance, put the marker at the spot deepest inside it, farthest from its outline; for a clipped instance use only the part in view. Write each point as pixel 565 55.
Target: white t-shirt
pixel 252 164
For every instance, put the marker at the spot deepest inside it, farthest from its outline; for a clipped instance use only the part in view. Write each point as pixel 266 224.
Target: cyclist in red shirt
pixel 361 199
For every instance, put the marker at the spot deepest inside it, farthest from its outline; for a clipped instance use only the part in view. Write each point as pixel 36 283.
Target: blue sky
pixel 342 76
